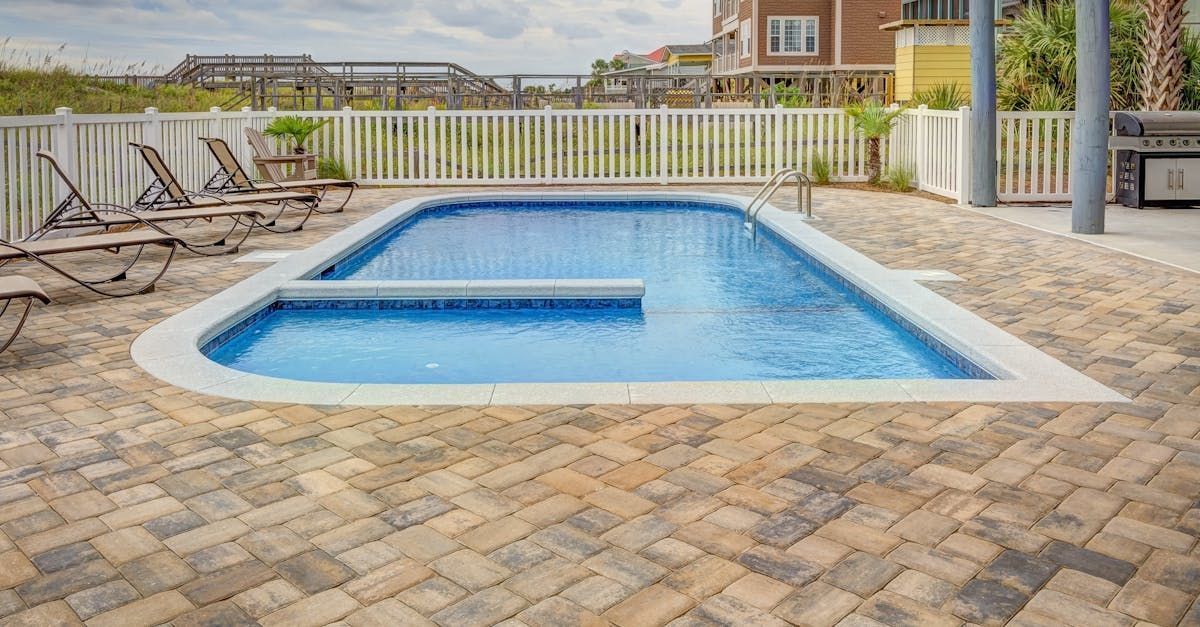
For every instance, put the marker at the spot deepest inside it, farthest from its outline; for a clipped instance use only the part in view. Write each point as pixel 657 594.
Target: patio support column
pixel 1089 136
pixel 983 102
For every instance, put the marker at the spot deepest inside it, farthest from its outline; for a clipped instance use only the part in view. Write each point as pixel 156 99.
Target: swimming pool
pixel 718 305
pixel 742 323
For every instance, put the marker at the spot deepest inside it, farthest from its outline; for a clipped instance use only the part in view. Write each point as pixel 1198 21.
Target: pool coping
pixel 171 349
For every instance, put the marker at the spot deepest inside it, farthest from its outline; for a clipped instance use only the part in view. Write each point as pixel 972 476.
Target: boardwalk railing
pixel 539 147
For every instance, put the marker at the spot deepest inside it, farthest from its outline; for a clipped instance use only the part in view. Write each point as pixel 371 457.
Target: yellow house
pixel 688 59
pixel 932 44
pixel 928 53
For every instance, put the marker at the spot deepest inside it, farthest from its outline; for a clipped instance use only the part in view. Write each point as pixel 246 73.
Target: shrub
pixel 943 96
pixel 821 168
pixel 900 176
pixel 332 168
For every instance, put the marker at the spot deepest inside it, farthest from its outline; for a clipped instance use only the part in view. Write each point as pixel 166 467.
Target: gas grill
pixel 1158 158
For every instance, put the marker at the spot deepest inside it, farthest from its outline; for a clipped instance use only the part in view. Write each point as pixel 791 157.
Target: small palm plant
pixel 875 122
pixel 294 128
pixel 943 97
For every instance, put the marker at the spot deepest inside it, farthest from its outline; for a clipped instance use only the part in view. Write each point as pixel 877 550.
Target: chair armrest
pixel 283 158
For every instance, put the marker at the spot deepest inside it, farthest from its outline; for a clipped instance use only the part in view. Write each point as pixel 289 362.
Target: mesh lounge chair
pixel 39 250
pixel 76 212
pixel 12 289
pixel 165 192
pixel 230 177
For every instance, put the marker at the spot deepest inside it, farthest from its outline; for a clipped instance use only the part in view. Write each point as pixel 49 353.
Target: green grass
pixel 38 91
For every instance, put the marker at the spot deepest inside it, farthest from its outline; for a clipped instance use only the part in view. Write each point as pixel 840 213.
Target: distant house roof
pixel 633 60
pixel 657 56
pixel 688 49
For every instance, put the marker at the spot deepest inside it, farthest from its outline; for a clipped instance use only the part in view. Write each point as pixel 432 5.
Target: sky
pixel 485 36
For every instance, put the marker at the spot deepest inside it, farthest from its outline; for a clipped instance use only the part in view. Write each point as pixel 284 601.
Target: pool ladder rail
pixel 803 196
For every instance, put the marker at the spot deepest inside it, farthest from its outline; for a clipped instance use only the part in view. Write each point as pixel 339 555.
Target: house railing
pixel 537 147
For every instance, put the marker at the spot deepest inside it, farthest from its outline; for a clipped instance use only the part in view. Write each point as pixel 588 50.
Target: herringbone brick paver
pixel 127 501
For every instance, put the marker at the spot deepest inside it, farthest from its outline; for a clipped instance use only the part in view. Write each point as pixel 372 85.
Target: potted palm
pixel 294 129
pixel 875 122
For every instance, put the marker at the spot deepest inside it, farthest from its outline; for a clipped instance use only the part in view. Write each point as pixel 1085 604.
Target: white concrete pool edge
pixel 170 350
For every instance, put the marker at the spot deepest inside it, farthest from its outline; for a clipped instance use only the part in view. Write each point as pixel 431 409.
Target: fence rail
pixel 539 147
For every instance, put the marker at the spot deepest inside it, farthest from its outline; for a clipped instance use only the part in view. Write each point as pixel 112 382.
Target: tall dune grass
pixel 35 82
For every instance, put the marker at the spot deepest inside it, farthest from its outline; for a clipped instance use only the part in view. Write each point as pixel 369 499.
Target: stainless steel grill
pixel 1158 158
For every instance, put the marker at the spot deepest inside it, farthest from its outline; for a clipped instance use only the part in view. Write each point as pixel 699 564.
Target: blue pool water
pixel 718 306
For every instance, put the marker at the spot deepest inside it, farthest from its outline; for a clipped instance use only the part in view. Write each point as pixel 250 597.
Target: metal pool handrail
pixel 803 196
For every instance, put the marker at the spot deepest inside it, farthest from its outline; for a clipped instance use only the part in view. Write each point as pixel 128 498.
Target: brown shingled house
pixel 802 35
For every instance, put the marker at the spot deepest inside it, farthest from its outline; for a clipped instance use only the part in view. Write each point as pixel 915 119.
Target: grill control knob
pixel 1171 142
pixel 1158 142
pixel 1146 142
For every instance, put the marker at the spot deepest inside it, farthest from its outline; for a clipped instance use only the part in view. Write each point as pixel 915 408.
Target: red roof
pixel 658 56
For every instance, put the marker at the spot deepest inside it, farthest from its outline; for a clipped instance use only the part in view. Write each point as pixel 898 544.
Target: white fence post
pixel 64 149
pixel 921 137
pixel 963 180
pixel 663 166
pixel 431 145
pixel 548 143
pixel 152 135
pixel 777 151
pixel 346 121
pixel 214 122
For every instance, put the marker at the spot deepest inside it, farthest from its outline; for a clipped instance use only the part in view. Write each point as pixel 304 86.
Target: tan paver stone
pixel 209 535
pixel 61 536
pixel 387 581
pixel 52 613
pixel 859 536
pixel 705 577
pixel 492 535
pixel 126 545
pixel 320 609
pixel 758 590
pixel 160 608
pixel 387 613
pixel 1091 589
pixel 268 597
pixel 1149 534
pixel 470 570
pixel 82 505
pixel 1075 612
pixel 14 569
pixel 818 604
pixel 1151 602
pixel 656 605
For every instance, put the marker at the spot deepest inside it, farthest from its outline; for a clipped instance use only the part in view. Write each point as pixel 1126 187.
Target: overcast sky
pixel 486 36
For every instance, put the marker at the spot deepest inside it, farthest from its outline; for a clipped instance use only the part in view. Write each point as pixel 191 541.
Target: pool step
pixel 475 289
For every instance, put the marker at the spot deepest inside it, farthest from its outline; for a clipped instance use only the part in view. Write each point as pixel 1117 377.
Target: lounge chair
pixel 76 212
pixel 14 288
pixel 38 250
pixel 231 177
pixel 165 192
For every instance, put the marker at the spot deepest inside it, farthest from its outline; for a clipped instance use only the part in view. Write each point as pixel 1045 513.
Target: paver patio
pixel 127 502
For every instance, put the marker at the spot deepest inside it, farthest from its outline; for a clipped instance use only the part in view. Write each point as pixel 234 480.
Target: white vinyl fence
pixel 538 147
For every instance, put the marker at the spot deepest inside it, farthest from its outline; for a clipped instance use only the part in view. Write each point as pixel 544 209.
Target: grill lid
pixel 1144 123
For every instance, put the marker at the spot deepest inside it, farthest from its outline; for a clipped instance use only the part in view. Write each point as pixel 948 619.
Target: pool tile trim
pixel 171 350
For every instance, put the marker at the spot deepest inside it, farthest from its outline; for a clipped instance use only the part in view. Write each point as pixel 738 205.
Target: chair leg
pixel 20 323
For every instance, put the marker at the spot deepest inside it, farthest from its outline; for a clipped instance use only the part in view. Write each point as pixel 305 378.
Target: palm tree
pixel 1162 67
pixel 1035 64
pixel 875 122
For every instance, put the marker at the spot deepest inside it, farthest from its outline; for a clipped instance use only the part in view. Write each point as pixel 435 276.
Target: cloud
pixel 486 36
pixel 498 19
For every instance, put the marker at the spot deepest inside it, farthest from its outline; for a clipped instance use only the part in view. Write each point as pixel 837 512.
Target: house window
pixel 745 31
pixel 717 8
pixel 792 35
